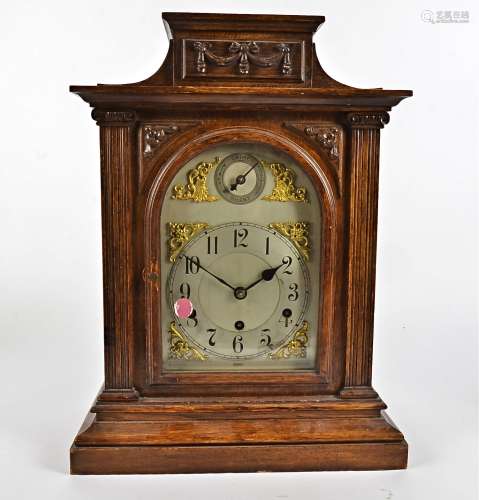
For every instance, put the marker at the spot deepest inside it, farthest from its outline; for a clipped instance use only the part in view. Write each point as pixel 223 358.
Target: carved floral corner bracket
pixel 297 233
pixel 296 347
pixel 156 135
pixel 179 234
pixel 180 348
pixel 196 188
pixel 284 184
pixel 244 54
pixel 327 137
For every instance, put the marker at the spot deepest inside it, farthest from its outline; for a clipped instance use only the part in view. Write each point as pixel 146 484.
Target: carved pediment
pixel 214 59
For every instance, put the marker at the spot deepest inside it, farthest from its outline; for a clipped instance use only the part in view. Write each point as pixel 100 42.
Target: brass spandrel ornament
pixel 179 234
pixel 180 348
pixel 196 188
pixel 297 232
pixel 284 184
pixel 296 347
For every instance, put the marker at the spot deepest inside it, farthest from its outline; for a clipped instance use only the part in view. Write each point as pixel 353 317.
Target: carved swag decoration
pixel 243 54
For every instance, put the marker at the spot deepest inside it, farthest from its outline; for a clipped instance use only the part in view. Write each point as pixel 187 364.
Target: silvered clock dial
pixel 241 267
pixel 245 289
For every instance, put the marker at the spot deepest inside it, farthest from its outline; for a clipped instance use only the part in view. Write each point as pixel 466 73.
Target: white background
pixel 425 362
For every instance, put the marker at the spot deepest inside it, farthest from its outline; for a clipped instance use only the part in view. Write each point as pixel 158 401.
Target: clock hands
pixel 241 179
pixel 221 280
pixel 240 292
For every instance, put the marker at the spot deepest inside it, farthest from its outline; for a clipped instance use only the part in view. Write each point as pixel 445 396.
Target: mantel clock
pixel 239 213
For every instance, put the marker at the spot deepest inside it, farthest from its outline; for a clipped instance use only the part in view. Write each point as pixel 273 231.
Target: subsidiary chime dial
pixel 240 178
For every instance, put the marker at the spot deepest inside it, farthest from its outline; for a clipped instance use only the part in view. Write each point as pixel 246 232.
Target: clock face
pixel 240 269
pixel 244 288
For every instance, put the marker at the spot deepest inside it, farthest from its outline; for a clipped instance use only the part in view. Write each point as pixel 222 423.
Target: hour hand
pixel 266 275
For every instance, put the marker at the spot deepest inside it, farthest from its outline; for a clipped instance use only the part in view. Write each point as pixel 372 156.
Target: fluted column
pixel 116 145
pixel 362 239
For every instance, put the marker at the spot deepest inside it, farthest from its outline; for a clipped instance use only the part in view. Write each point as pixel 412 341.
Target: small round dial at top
pixel 240 178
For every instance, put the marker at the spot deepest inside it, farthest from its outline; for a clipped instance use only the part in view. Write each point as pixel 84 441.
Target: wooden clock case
pixel 233 78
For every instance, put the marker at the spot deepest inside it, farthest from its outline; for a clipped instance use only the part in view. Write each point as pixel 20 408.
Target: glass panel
pixel 241 261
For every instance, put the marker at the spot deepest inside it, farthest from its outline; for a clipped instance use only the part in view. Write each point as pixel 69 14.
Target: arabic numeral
pixel 287 261
pixel 212 333
pixel 192 320
pixel 240 236
pixel 238 344
pixel 185 290
pixel 294 294
pixel 285 321
pixel 265 337
pixel 192 265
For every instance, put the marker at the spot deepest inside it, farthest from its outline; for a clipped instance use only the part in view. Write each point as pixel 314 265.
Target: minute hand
pixel 266 275
pixel 221 280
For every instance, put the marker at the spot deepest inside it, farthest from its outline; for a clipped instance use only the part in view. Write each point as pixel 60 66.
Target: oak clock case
pixel 239 214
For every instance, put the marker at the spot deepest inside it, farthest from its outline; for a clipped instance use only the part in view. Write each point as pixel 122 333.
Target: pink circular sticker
pixel 183 308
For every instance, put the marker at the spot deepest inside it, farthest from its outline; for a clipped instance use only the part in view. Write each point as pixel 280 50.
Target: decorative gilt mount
pixel 179 234
pixel 296 347
pixel 196 188
pixel 180 348
pixel 284 187
pixel 297 233
pixel 244 54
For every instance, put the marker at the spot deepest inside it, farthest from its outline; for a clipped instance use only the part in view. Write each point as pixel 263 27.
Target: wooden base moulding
pixel 247 435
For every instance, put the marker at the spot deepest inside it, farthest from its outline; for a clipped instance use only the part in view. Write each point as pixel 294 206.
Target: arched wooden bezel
pixel 325 379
